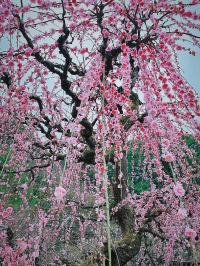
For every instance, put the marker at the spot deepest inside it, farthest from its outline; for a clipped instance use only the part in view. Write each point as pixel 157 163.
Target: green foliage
pixel 195 160
pixel 137 157
pixel 111 171
pixel 91 173
pixel 134 163
pixel 67 262
pixel 11 184
pixel 141 185
pixel 136 160
pixel 192 144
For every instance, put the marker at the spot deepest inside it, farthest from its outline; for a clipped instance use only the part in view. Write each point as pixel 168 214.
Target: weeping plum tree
pixel 82 84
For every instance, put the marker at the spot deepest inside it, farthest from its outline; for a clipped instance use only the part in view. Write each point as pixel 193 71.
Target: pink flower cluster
pixel 169 157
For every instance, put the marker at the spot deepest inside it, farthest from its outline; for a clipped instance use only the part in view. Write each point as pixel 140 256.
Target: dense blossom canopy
pixel 84 84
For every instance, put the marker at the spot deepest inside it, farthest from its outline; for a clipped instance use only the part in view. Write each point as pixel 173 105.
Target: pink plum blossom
pixel 152 112
pixel 28 52
pixel 24 186
pixel 9 209
pixel 190 233
pixel 154 124
pixel 100 244
pixel 101 200
pixel 101 215
pixel 179 190
pixel 103 190
pixel 134 37
pixel 169 157
pixel 182 213
pixel 60 192
pixel 165 143
pixel 11 64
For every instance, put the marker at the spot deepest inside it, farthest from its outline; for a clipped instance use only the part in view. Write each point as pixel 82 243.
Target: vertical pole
pixel 105 172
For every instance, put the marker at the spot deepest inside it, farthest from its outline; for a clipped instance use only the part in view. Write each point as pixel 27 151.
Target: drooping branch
pixel 28 169
pixel 152 232
pixel 38 125
pixel 39 101
pixel 186 33
pixel 38 57
pixel 128 123
pixel 39 145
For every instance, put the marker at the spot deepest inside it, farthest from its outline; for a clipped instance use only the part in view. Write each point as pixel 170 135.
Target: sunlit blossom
pixel 103 190
pixel 60 192
pixel 100 244
pixel 152 112
pixel 9 209
pixel 169 157
pixel 179 190
pixel 154 124
pixel 165 143
pixel 24 186
pixel 190 232
pixel 182 213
